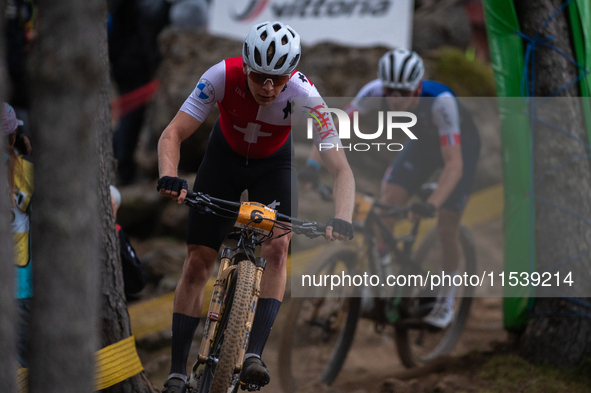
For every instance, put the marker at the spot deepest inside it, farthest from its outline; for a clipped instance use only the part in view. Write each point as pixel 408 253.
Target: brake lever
pixel 204 197
pixel 308 229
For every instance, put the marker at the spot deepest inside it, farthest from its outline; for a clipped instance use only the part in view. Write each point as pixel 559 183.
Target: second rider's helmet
pixel 401 69
pixel 272 48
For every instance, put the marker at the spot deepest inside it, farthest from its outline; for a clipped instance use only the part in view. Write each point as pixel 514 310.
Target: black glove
pixel 341 226
pixel 424 209
pixel 175 184
pixel 309 174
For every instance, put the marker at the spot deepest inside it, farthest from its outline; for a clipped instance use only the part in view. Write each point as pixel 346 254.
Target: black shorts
pixel 225 174
pixel 420 158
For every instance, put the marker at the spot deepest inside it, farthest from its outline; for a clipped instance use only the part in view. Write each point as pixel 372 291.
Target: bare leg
pixel 198 267
pixel 188 302
pixel 448 224
pixel 275 252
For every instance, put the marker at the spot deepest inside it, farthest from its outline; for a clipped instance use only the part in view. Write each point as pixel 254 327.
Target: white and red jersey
pixel 252 130
pixel 438 110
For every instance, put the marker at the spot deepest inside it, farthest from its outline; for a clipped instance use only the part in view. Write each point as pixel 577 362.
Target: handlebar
pixel 209 204
pixel 399 212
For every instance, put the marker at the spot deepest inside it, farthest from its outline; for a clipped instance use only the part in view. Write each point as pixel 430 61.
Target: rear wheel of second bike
pixel 418 345
pixel 318 331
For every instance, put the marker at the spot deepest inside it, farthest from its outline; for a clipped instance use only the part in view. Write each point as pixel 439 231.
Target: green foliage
pixel 511 373
pixel 467 78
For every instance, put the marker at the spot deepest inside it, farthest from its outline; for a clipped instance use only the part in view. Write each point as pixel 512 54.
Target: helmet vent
pixel 392 79
pixel 294 61
pixel 264 35
pixel 403 67
pixel 276 27
pixel 246 49
pixel 271 52
pixel 292 33
pixel 257 57
pixel 414 73
pixel 284 40
pixel 280 62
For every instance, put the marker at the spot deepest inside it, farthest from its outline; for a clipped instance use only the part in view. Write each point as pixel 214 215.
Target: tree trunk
pixel 7 269
pixel 555 333
pixel 115 325
pixel 67 74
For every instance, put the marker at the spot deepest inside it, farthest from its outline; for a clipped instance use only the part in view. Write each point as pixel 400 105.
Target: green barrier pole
pixel 507 57
pixel 580 17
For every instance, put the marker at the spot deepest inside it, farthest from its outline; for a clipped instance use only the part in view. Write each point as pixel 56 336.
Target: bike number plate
pixel 363 205
pixel 258 217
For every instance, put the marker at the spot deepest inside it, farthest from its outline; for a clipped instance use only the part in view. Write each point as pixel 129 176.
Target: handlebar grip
pixel 322 228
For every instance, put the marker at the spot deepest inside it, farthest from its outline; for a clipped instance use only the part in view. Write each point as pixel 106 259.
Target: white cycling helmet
pixel 272 48
pixel 401 69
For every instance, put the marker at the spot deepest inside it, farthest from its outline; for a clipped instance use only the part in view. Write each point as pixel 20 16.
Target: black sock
pixel 183 329
pixel 267 310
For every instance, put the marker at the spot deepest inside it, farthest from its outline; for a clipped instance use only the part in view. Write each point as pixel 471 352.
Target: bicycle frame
pixel 250 236
pixel 402 254
pixel 401 247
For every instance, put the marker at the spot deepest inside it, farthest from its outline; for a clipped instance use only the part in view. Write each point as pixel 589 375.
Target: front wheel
pixel 318 331
pixel 234 331
pixel 418 345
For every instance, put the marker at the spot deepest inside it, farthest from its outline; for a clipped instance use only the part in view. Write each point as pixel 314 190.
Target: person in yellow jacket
pixel 20 181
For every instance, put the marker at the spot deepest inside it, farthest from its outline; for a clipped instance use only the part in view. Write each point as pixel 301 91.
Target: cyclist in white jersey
pixel 447 139
pixel 249 148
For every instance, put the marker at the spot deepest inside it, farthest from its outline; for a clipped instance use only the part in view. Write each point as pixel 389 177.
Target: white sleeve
pixel 447 119
pixel 209 90
pixel 324 130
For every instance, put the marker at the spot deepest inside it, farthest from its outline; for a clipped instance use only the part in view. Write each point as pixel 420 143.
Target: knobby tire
pixel 234 335
pixel 451 336
pixel 350 307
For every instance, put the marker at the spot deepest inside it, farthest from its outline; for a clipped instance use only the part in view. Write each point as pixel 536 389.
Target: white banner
pixel 348 22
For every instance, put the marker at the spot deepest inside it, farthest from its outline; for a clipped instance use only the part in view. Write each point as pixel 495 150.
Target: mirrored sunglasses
pixel 261 79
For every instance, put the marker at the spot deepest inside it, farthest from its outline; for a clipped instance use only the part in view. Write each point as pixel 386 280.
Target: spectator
pixel 133 52
pixel 134 271
pixel 20 180
pixel 19 31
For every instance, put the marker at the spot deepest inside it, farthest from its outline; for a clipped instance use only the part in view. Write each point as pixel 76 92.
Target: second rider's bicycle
pixel 236 290
pixel 318 331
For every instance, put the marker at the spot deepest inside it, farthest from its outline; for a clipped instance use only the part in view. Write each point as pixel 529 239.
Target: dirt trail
pixel 373 357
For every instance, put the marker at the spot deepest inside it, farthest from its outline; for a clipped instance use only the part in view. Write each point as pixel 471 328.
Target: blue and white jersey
pixel 438 110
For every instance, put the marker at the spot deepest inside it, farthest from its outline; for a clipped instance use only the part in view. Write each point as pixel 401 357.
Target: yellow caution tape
pixel 151 316
pixel 22 378
pixel 116 363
